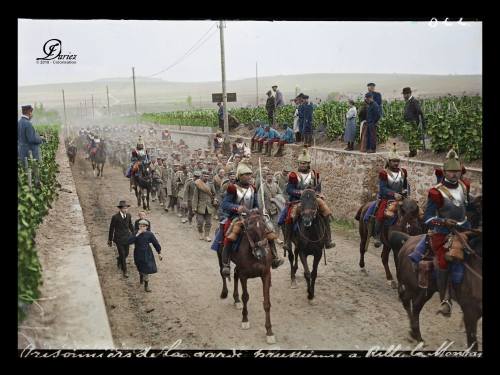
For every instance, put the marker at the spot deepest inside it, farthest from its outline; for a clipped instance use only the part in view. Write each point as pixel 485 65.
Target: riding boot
pixel 226 270
pixel 376 233
pixel 444 293
pixel 141 278
pixel 146 286
pixel 277 261
pixel 328 231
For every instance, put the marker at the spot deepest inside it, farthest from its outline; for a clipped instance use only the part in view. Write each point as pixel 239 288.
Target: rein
pixel 308 239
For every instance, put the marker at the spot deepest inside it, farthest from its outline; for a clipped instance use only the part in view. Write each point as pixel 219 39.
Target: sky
pixel 109 48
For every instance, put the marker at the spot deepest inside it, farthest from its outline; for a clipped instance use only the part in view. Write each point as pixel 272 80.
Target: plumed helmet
pixel 304 156
pixel 452 162
pixel 242 169
pixel 393 154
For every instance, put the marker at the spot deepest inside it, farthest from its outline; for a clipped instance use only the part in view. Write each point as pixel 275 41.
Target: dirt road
pixel 352 310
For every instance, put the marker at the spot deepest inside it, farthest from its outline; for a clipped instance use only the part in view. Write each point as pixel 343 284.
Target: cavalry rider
pixel 241 197
pixel 305 178
pixel 447 203
pixel 393 187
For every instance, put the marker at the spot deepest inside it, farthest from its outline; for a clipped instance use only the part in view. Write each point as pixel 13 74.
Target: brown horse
pixel 468 293
pixel 98 159
pixel 253 259
pixel 408 221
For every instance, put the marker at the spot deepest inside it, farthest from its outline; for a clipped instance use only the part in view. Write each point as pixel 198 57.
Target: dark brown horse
pixel 253 259
pixel 71 152
pixel 468 293
pixel 309 239
pixel 98 159
pixel 409 220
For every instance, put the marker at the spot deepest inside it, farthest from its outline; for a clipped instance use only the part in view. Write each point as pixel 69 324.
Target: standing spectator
pixel 142 216
pixel 362 125
pixel 377 97
pixel 220 114
pixel 270 107
pixel 143 255
pixel 203 205
pixel 350 126
pixel 27 138
pixel 414 115
pixel 120 230
pixel 297 102
pixel 372 117
pixel 279 97
pixel 218 142
pixel 286 137
pixel 306 119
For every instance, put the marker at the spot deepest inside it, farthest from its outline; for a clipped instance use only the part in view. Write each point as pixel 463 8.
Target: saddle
pixel 391 209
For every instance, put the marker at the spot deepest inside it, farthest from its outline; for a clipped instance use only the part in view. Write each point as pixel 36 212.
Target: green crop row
pixel 450 120
pixel 33 205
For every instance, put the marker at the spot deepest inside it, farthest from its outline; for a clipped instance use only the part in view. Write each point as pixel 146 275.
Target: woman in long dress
pixel 143 255
pixel 350 126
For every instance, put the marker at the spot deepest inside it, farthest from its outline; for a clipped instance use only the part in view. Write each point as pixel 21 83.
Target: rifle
pixel 315 151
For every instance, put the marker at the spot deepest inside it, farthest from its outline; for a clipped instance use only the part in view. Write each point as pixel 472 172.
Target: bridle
pixel 254 246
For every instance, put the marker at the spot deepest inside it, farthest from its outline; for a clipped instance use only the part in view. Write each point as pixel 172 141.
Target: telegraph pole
pixel 224 94
pixel 93 114
pixel 85 103
pixel 135 97
pixel 256 85
pixel 107 94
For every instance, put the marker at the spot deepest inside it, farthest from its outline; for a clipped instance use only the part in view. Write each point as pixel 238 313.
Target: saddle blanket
pixel 370 211
pixel 219 238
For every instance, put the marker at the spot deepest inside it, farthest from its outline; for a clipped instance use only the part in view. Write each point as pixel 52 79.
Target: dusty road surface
pixel 352 310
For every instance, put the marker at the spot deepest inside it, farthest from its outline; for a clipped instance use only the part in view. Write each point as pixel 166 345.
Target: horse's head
pixel 409 217
pixel 308 207
pixel 256 232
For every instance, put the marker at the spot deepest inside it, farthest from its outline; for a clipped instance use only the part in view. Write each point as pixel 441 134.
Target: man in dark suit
pixel 27 137
pixel 377 97
pixel 414 115
pixel 120 230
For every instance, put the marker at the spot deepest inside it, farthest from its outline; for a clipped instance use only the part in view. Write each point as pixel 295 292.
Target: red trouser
pixel 271 141
pixel 379 215
pixel 226 227
pixel 282 143
pixel 438 241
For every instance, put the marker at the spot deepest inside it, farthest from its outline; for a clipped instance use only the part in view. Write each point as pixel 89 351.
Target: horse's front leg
pixel 236 295
pixel 245 324
pixel 293 270
pixel 314 272
pixel 224 292
pixel 363 234
pixel 266 285
pixel 385 261
pixel 307 273
pixel 147 199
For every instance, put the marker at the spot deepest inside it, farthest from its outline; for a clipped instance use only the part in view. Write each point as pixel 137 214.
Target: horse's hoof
pixel 363 270
pixel 223 294
pixel 293 285
pixel 245 325
pixel 394 284
pixel 311 301
pixel 239 306
pixel 271 339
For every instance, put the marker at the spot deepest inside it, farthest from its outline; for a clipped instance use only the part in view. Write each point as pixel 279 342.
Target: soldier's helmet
pixel 452 162
pixel 304 156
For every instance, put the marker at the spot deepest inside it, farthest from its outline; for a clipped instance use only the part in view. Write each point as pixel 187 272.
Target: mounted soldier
pixel 241 198
pixel 393 187
pixel 304 178
pixel 447 203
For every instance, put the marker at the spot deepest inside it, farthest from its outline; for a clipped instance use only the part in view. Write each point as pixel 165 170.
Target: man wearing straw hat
pixel 120 230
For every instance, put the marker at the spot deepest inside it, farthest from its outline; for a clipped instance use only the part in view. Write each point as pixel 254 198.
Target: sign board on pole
pixel 217 98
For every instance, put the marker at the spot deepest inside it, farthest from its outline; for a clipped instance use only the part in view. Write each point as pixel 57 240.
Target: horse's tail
pixel 358 214
pixel 397 240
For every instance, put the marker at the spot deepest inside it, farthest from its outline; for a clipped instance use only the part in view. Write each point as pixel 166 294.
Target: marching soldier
pixel 204 199
pixel 393 187
pixel 241 197
pixel 282 177
pixel 271 190
pixel 305 178
pixel 188 196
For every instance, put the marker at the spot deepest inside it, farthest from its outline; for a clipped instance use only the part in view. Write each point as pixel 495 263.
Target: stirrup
pixel 442 307
pixel 277 262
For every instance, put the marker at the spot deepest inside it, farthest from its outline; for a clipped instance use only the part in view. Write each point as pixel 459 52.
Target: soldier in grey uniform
pixel 204 198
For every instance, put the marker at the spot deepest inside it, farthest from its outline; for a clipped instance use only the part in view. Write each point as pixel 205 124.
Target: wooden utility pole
pixel 224 93
pixel 93 114
pixel 85 104
pixel 256 85
pixel 107 94
pixel 135 97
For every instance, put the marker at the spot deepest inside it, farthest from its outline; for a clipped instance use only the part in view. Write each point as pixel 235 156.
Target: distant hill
pixel 154 94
